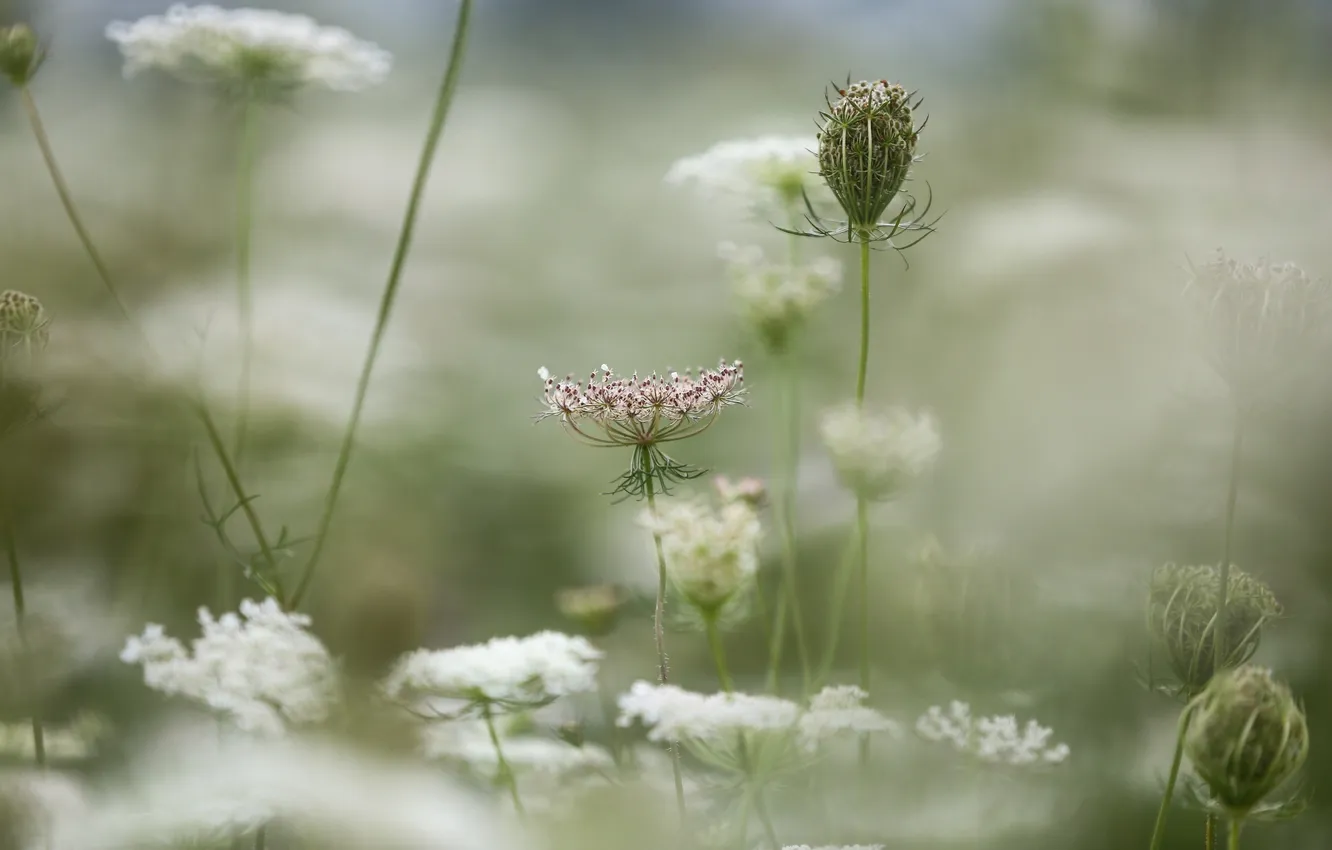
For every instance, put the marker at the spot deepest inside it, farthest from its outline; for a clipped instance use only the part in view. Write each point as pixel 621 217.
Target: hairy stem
pixel 442 104
pixel 67 201
pixel 659 624
pixel 1158 833
pixel 244 293
pixel 1223 573
pixel 503 772
pixel 1209 832
pixel 20 622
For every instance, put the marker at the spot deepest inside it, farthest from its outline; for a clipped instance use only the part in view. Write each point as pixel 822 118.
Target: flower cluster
pixel 996 739
pixel 24 324
pixel 254 49
pixel 506 672
pixel 838 709
pixel 877 455
pixel 768 172
pixel 261 667
pixel 776 298
pixel 711 553
pixel 867 143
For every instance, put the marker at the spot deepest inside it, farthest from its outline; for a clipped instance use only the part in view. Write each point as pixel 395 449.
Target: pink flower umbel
pixel 642 413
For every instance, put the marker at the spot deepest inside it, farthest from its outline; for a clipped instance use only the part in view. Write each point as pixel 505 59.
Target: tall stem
pixel 442 103
pixel 718 653
pixel 1223 573
pixel 1209 832
pixel 1158 833
pixel 237 488
pixel 659 624
pixel 837 606
pixel 244 294
pixel 787 466
pixel 862 508
pixel 1235 824
pixel 20 621
pixel 503 771
pixel 67 201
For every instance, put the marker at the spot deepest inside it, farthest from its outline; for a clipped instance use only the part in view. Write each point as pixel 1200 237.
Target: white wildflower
pixel 469 741
pixel 776 298
pixel 837 709
pixel 769 171
pixel 876 455
pixel 506 671
pixel 672 713
pixel 261 668
pixel 996 739
pixel 249 47
pixel 710 553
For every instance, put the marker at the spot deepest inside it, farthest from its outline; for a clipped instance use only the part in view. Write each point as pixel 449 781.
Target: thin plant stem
pixel 836 607
pixel 261 838
pixel 777 637
pixel 1209 832
pixel 504 772
pixel 244 293
pixel 1235 824
pixel 20 622
pixel 67 201
pixel 1223 572
pixel 864 322
pixel 659 624
pixel 788 466
pixel 442 104
pixel 862 508
pixel 766 819
pixel 718 652
pixel 234 481
pixel 1158 833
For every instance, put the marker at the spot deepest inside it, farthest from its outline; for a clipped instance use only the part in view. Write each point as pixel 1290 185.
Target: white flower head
pixel 249 48
pixel 505 672
pixel 840 709
pixel 711 553
pixel 876 455
pixel 769 172
pixel 672 713
pixel 776 298
pixel 998 739
pixel 260 668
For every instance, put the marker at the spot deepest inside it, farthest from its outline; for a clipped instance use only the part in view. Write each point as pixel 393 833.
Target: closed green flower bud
pixel 20 54
pixel 866 145
pixel 595 608
pixel 1181 615
pixel 1247 737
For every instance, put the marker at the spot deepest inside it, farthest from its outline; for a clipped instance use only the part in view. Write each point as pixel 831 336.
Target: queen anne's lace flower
pixel 506 671
pixel 876 455
pixel 761 171
pixel 776 298
pixel 249 47
pixel 711 553
pixel 261 668
pixel 672 713
pixel 838 709
pixel 996 739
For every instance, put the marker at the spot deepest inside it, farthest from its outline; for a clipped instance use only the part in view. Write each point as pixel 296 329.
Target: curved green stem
pixel 442 103
pixel 659 624
pixel 244 293
pixel 67 201
pixel 504 772
pixel 1219 647
pixel 20 622
pixel 1158 833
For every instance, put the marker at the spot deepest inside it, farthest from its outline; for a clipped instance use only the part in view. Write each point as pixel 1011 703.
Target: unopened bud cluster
pixel 711 552
pixel 776 298
pixel 1182 607
pixel 595 608
pixel 867 144
pixel 876 455
pixel 20 54
pixel 24 324
pixel 1247 737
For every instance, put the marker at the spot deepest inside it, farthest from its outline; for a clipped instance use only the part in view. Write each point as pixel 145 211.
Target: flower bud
pixel 20 54
pixel 711 554
pixel 866 145
pixel 877 455
pixel 1182 619
pixel 23 323
pixel 1246 738
pixel 595 608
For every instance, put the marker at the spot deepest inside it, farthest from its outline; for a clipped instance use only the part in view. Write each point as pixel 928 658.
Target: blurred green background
pixel 1084 153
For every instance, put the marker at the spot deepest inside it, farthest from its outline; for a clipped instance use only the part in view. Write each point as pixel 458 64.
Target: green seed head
pixel 1181 612
pixel 1247 737
pixel 20 54
pixel 866 145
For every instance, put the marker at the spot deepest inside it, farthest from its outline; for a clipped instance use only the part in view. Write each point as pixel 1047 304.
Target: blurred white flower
pixel 507 672
pixel 469 741
pixel 200 787
pixel 261 668
pixel 876 455
pixel 250 47
pixel 768 171
pixel 711 553
pixel 33 802
pixel 672 713
pixel 837 709
pixel 776 298
pixel 996 739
